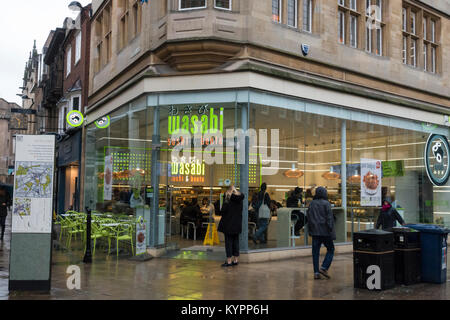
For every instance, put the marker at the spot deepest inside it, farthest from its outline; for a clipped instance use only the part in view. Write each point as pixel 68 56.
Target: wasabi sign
pixel 203 120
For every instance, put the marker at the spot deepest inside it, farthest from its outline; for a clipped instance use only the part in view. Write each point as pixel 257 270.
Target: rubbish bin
pixel 433 245
pixel 407 255
pixel 373 260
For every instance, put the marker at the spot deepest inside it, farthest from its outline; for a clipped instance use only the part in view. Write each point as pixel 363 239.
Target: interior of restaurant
pixel 309 155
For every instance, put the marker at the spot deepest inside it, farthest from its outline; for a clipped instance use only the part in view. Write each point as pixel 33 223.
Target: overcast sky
pixel 23 22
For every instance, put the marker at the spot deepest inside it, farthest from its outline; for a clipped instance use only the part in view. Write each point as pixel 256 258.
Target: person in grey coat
pixel 322 230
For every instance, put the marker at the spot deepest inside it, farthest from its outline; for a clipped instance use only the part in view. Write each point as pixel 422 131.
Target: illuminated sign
pixel 75 118
pixel 187 171
pixel 195 123
pixel 437 159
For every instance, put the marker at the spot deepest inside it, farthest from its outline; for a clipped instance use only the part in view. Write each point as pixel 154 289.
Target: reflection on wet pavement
pixel 199 276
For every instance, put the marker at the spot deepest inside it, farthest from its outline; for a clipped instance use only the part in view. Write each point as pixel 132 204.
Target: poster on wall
pixel 141 243
pixel 370 183
pixel 33 184
pixel 108 177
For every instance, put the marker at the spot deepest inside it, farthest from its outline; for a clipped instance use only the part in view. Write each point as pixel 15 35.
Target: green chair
pixel 97 232
pixel 74 227
pixel 124 232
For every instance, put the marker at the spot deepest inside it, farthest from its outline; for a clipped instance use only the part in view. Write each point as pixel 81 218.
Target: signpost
pixel 31 239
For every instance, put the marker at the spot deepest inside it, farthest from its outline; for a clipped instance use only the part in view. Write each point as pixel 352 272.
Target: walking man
pixel 321 228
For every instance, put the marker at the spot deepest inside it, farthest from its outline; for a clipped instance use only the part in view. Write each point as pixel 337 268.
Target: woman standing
pixel 231 224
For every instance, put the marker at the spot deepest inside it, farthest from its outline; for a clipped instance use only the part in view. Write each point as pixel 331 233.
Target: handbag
pixel 264 211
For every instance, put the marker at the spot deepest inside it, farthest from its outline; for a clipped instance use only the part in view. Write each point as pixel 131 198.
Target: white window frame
pixel 341 26
pixel 433 59
pixel 413 27
pixel 221 8
pixel 425 56
pixel 379 13
pixel 193 8
pixel 280 11
pixel 433 31
pixel 368 37
pixel 79 102
pixel 295 13
pixel 78 47
pixel 404 51
pixel 341 3
pixel 309 14
pixel 353 5
pixel 414 52
pixel 380 32
pixel 69 61
pixel 353 31
pixel 404 19
pixel 425 28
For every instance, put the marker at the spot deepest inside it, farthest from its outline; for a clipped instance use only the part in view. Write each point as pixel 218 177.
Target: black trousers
pixel 232 245
pixel 2 224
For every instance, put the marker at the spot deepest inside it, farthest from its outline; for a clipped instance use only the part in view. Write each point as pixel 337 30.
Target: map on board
pixel 33 180
pixel 22 206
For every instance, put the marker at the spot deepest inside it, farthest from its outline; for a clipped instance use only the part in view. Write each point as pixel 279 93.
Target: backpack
pixel 263 211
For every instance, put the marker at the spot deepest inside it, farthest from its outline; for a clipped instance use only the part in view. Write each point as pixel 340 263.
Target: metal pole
pixel 156 142
pixel 88 255
pixel 243 241
pixel 344 175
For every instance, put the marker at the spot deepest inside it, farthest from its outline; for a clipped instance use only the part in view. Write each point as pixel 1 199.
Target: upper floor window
pixel 103 40
pixel 307 15
pixel 76 103
pixel 276 10
pixel 292 13
pixel 192 4
pixel 68 61
pixel 374 26
pixel 78 47
pixel 420 36
pixel 222 4
pixel 404 19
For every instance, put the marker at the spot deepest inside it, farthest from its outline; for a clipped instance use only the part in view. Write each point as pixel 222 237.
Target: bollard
pixel 88 256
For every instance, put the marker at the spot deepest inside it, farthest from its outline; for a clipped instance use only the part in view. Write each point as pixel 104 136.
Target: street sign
pixel 23 111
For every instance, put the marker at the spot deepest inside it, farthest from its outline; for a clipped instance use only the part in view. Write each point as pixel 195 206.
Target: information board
pixel 33 184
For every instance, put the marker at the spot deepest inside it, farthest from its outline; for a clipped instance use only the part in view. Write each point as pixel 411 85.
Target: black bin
pixel 373 260
pixel 407 256
pixel 373 240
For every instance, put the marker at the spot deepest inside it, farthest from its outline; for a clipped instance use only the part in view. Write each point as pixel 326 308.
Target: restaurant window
pixel 292 13
pixel 222 4
pixel 276 11
pixel 192 4
pixel 307 15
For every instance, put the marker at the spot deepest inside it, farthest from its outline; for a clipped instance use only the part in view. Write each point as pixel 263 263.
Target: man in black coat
pixel 322 230
pixel 388 216
pixel 5 202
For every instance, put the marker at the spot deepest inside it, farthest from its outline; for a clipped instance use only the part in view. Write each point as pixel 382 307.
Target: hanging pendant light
pixel 294 173
pixel 331 175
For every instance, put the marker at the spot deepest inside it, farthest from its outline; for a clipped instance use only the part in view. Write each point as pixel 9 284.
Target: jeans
pixel 232 245
pixel 263 223
pixel 316 244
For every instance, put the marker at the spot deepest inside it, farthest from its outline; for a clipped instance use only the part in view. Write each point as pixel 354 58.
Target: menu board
pixel 33 184
pixel 370 183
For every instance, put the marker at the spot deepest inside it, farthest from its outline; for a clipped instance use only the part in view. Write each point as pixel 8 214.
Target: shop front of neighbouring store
pixel 139 166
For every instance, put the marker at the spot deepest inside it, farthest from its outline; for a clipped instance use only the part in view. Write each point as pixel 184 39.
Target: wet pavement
pixel 194 276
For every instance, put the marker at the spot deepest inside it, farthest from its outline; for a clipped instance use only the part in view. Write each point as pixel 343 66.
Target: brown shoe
pixel 324 273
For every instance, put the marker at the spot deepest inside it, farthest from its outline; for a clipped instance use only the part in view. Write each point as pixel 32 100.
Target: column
pixel 344 173
pixel 154 208
pixel 244 169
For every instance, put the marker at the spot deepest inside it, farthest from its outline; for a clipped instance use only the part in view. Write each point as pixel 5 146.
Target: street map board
pixel 33 184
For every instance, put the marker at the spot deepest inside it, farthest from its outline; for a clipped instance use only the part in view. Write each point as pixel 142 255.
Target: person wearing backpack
pixel 263 210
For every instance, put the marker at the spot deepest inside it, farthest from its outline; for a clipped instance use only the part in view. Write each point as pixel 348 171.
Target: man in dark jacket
pixel 5 202
pixel 321 228
pixel 388 216
pixel 293 202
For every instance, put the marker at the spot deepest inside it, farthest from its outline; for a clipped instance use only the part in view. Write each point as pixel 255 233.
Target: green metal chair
pixel 124 232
